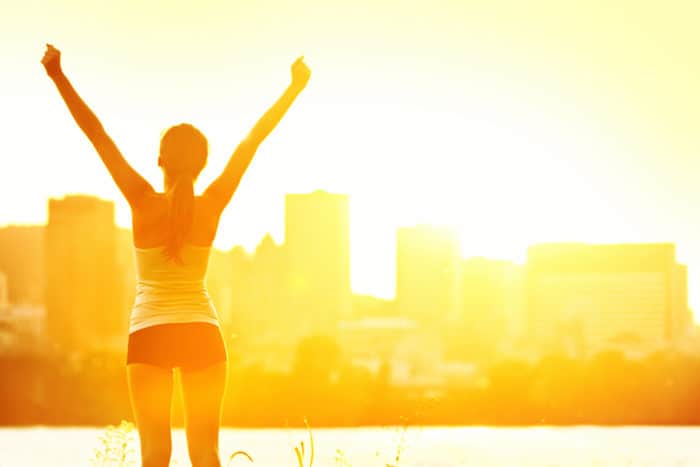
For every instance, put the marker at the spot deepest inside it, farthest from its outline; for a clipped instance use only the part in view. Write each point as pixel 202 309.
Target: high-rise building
pixel 427 274
pixel 584 298
pixel 682 317
pixel 490 300
pixel 241 288
pixel 317 246
pixel 86 308
pixel 22 260
pixel 269 294
pixel 259 322
pixel 220 284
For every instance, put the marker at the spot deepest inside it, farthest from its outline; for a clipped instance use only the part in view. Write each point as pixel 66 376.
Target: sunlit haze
pixel 514 122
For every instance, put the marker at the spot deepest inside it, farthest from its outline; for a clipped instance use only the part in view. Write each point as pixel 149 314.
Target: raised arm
pixel 132 185
pixel 222 188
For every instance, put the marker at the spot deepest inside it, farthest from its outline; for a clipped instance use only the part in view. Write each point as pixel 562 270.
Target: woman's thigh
pixel 150 392
pixel 203 393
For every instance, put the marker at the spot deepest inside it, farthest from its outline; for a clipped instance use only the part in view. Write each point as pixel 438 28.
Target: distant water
pixel 425 447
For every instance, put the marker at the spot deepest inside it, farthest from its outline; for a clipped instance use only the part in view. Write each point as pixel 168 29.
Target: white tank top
pixel 170 292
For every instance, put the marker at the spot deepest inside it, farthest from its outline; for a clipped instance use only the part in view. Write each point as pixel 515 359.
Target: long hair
pixel 183 155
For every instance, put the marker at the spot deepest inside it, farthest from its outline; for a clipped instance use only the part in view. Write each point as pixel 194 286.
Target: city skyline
pixel 389 291
pixel 568 298
pixel 455 322
pixel 521 123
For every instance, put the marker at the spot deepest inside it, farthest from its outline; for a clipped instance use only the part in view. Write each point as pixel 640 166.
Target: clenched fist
pixel 52 60
pixel 300 72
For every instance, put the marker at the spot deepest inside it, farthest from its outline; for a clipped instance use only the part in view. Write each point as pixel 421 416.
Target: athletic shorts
pixel 189 346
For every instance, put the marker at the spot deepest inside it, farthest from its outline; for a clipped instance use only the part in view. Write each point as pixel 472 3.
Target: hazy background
pixel 516 122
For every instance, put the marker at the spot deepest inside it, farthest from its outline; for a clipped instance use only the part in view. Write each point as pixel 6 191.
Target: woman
pixel 173 323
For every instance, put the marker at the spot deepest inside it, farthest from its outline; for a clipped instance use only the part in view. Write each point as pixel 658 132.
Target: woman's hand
pixel 132 185
pixel 224 186
pixel 52 60
pixel 300 73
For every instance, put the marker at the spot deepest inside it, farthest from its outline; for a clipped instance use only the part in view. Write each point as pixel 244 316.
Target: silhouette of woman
pixel 173 323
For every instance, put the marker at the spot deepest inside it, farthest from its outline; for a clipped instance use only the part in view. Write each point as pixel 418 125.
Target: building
pixel 21 329
pixel 394 345
pixel 682 318
pixel 490 302
pixel 317 247
pixel 372 341
pixel 261 324
pixel 220 284
pixel 369 306
pixel 427 274
pixel 584 298
pixel 22 261
pixel 86 304
pixel 241 291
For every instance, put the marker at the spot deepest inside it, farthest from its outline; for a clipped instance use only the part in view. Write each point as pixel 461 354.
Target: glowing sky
pixel 516 122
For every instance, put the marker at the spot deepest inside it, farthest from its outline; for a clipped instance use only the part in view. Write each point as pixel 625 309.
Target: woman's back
pixel 154 267
pixel 171 291
pixel 150 221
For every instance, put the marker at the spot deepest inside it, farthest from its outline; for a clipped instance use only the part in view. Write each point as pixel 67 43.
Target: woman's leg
pixel 203 393
pixel 150 391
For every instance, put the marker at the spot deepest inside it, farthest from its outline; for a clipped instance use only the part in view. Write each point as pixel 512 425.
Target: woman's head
pixel 183 151
pixel 183 155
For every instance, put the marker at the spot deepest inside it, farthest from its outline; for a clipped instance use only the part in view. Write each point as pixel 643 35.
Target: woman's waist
pixel 171 285
pixel 171 292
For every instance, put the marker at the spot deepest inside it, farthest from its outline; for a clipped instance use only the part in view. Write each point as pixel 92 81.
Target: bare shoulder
pixel 205 220
pixel 150 220
pixel 156 204
pixel 208 205
pixel 151 212
pixel 151 204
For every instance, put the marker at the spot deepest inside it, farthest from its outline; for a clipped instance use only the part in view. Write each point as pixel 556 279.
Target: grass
pixel 299 449
pixel 117 449
pixel 240 453
pixel 116 446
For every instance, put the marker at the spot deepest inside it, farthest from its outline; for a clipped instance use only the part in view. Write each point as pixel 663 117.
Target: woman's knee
pixel 155 455
pixel 205 456
pixel 202 444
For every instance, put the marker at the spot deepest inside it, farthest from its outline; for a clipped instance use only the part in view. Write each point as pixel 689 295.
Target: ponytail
pixel 180 212
pixel 183 154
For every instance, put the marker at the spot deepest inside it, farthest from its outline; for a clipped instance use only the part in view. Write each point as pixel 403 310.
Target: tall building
pixel 260 323
pixel 427 274
pixel 682 318
pixel 317 244
pixel 220 284
pixel 584 298
pixel 268 292
pixel 490 301
pixel 22 260
pixel 86 308
pixel 241 289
